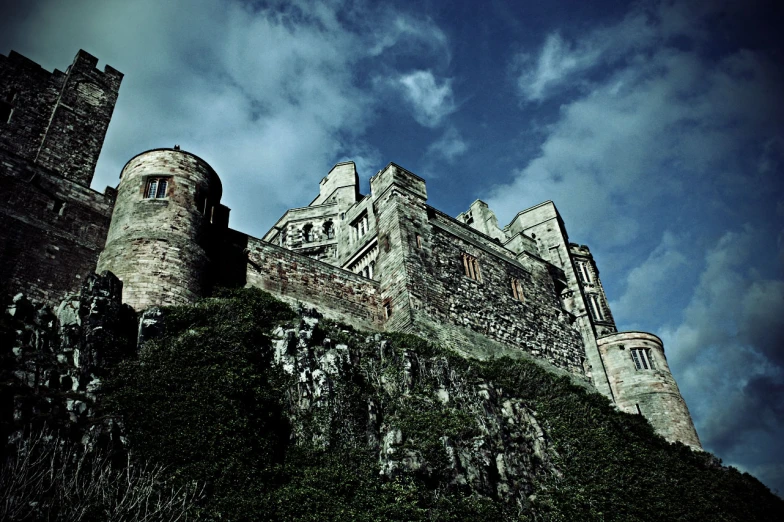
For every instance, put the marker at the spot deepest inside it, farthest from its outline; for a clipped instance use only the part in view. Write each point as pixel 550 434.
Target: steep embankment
pixel 295 417
pixel 283 415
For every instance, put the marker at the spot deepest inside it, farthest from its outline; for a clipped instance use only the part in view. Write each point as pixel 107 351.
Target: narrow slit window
pixel 517 290
pixel 471 266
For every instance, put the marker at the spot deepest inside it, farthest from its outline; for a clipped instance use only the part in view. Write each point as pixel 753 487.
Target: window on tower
pixel 156 188
pixel 642 358
pixel 307 233
pixel 329 230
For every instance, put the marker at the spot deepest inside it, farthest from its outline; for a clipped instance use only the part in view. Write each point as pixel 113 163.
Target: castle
pixel 382 261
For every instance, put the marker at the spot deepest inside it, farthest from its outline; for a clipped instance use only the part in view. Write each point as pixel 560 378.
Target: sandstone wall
pixel 533 322
pixel 159 247
pixel 651 392
pixel 338 293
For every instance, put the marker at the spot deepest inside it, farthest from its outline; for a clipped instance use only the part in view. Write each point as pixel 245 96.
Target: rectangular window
pixel 596 308
pixel 517 290
pixel 360 226
pixel 156 188
pixel 471 266
pixel 387 309
pixel 419 241
pixel 583 272
pixel 642 359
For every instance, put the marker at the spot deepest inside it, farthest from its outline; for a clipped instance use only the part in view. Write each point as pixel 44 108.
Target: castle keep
pixel 382 261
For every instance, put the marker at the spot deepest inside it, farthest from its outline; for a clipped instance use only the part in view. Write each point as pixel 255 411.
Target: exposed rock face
pixel 58 359
pixel 422 415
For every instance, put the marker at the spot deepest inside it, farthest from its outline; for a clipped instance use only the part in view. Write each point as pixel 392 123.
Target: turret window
pixel 642 358
pixel 156 188
pixel 471 266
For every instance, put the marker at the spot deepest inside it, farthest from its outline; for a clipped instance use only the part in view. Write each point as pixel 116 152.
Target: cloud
pixel 727 355
pixel 431 100
pixel 650 121
pixel 449 146
pixel 651 285
pixel 560 61
pixel 268 95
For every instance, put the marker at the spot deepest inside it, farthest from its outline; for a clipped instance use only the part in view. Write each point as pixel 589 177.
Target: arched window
pixel 329 230
pixel 307 233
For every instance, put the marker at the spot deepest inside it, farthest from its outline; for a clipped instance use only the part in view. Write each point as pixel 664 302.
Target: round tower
pixel 159 234
pixel 641 383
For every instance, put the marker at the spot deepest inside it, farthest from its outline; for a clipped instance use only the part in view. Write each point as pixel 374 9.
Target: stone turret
pixel 642 383
pixel 161 234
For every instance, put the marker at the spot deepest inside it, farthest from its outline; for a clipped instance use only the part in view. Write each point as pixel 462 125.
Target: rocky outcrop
pixel 55 361
pixel 420 415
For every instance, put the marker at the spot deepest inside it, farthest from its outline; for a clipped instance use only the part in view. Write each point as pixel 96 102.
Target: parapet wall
pixel 340 294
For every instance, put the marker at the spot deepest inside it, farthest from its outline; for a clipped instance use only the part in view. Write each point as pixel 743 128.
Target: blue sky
pixel 656 127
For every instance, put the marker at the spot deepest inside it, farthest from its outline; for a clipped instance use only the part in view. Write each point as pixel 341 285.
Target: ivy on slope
pixel 208 400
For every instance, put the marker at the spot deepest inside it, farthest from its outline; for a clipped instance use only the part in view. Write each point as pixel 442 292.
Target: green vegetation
pixel 207 400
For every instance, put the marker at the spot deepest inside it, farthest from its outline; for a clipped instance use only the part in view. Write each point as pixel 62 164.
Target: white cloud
pixel 652 122
pixel 650 284
pixel 449 146
pixel 431 100
pixel 560 61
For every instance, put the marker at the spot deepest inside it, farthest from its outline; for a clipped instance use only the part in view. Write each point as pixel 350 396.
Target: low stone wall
pixel 340 294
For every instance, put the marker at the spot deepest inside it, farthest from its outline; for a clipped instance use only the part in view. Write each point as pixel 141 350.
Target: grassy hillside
pixel 291 417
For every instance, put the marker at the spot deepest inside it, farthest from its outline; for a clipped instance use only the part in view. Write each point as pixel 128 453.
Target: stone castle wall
pixel 51 230
pixel 340 294
pixel 649 391
pixel 158 246
pixel 57 120
pixel 532 321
